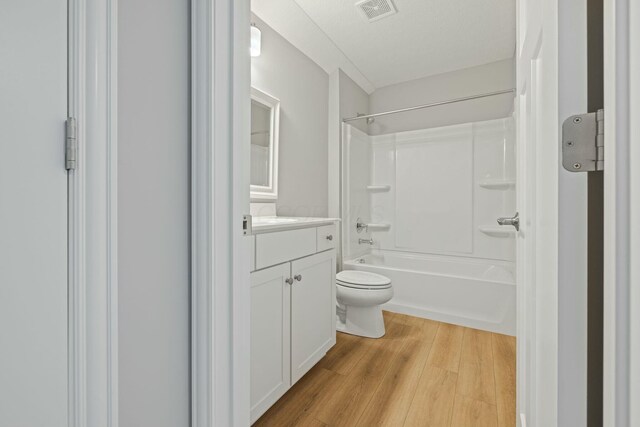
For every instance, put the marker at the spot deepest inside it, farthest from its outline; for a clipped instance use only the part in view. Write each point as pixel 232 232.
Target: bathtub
pixel 476 293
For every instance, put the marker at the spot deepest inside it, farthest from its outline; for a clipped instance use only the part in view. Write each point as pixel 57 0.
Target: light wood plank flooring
pixel 421 373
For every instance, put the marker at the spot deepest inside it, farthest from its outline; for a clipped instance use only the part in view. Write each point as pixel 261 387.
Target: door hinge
pixel 247 225
pixel 583 142
pixel 71 144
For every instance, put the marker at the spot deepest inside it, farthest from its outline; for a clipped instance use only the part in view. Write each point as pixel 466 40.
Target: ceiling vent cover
pixel 373 10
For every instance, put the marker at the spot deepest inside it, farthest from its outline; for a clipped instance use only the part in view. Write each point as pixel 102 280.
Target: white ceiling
pixel 424 38
pixel 292 23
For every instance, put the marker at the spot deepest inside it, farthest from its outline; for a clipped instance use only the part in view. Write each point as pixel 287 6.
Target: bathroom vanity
pixel 292 302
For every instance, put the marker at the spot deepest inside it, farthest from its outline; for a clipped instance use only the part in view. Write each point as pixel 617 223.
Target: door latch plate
pixel 247 225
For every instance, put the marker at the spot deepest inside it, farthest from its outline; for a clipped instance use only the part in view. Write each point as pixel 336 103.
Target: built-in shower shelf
pixel 497 231
pixel 378 227
pixel 498 184
pixel 378 188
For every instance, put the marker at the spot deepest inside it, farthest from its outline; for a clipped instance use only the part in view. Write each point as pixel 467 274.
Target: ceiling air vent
pixel 373 10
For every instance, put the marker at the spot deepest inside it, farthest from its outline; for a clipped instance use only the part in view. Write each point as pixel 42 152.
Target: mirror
pixel 265 116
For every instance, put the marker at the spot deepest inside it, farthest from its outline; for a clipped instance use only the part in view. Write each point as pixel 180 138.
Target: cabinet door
pixel 270 339
pixel 313 308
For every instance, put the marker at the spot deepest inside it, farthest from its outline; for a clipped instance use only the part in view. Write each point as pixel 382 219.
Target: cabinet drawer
pixel 282 246
pixel 327 237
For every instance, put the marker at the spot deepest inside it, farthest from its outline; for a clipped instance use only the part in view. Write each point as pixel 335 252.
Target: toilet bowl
pixel 360 295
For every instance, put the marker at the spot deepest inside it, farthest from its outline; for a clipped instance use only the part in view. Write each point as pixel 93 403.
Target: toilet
pixel 360 295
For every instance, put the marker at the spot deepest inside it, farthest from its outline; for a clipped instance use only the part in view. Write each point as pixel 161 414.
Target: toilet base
pixel 363 321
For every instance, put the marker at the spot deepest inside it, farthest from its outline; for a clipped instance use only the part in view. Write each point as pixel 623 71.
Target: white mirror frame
pixel 269 192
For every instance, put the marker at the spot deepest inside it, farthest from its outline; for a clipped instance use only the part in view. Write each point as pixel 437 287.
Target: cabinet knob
pixel 329 237
pixel 298 277
pixel 289 281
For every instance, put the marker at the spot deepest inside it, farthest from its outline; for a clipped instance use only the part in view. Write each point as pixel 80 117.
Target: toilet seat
pixel 357 279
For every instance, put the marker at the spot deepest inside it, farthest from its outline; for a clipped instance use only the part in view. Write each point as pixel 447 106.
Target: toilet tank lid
pixel 357 277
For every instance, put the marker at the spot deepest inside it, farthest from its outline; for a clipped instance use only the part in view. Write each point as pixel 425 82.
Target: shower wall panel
pixel 435 191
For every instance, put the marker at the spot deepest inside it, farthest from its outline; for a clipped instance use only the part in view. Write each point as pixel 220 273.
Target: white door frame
pixel 93 279
pixel 220 307
pixel 220 261
pixel 572 229
pixel 622 214
pixel 220 288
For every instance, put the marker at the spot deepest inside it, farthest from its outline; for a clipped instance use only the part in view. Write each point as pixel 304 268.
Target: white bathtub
pixel 470 292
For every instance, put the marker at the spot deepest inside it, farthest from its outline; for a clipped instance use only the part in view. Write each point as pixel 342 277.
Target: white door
pixel 551 243
pixel 270 337
pixel 527 121
pixel 312 311
pixel 33 214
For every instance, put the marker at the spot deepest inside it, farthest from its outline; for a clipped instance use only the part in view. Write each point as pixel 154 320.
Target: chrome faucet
pixel 368 241
pixel 361 226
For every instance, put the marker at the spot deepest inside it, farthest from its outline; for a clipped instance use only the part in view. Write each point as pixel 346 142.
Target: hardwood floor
pixel 421 373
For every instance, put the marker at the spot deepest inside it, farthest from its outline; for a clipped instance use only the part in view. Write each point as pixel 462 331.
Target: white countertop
pixel 263 224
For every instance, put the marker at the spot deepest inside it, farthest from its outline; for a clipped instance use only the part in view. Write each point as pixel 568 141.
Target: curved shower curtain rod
pixel 434 104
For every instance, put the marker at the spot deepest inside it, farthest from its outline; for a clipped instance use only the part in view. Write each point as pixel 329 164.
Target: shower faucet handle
pixel 513 221
pixel 360 226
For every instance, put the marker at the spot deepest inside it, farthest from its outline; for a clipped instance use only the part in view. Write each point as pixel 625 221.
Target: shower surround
pixel 431 198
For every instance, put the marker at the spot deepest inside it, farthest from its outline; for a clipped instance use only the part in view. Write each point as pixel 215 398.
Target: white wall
pixel 153 212
pixel 303 90
pixel 346 99
pixel 470 81
pixel 334 148
pixel 353 101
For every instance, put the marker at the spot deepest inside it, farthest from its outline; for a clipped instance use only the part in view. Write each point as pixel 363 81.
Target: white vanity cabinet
pixel 292 309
